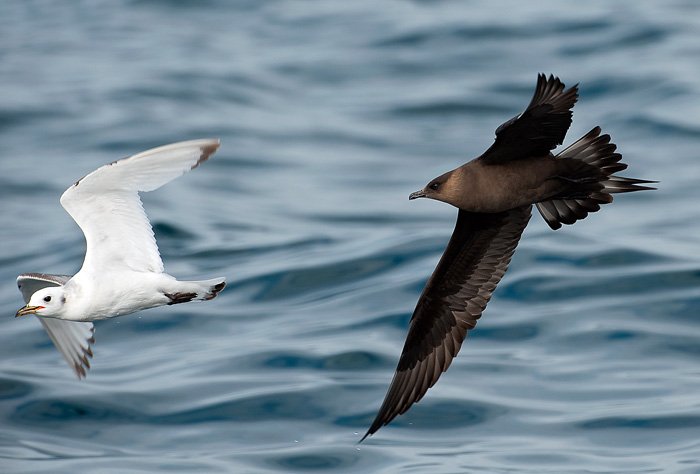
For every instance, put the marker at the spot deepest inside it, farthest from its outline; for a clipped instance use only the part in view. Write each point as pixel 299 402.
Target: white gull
pixel 122 272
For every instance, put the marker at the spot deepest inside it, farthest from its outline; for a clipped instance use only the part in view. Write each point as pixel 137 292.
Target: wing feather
pixel 106 205
pixel 73 340
pixel 540 128
pixel 475 260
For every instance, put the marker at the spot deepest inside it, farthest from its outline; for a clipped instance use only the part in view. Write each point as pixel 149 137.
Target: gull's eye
pixel 434 186
pixel 47 298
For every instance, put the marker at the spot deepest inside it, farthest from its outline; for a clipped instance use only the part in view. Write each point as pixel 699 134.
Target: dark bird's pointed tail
pixel 588 167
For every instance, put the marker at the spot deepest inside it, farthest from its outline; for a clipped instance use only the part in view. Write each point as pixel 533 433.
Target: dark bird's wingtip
pixel 369 433
pixel 378 422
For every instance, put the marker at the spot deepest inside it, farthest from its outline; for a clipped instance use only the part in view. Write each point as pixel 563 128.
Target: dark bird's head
pixel 443 188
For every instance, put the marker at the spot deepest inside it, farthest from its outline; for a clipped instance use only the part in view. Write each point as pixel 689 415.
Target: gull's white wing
pixel 71 338
pixel 106 205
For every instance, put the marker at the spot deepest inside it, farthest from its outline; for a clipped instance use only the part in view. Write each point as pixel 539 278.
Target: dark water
pixel 330 113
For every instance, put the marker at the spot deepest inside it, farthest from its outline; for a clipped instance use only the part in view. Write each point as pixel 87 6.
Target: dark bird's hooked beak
pixel 416 195
pixel 27 310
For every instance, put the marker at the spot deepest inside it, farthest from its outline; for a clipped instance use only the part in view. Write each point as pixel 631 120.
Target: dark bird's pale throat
pixel 494 194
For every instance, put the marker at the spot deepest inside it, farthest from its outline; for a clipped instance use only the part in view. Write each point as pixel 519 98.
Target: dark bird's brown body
pixel 495 194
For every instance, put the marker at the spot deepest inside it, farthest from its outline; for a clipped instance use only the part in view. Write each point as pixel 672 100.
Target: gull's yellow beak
pixel 28 310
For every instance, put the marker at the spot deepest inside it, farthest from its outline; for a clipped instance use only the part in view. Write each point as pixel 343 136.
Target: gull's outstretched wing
pixel 540 128
pixel 73 339
pixel 475 260
pixel 106 205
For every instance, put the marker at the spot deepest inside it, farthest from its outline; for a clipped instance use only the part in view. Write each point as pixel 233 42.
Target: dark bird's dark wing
pixel 73 339
pixel 474 262
pixel 540 128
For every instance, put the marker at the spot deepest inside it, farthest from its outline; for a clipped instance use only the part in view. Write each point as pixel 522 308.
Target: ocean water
pixel 330 114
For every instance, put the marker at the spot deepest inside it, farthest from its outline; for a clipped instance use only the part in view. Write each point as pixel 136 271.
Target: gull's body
pixel 122 272
pixel 107 293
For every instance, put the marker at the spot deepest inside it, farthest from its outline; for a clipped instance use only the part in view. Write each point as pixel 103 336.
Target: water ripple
pixel 329 114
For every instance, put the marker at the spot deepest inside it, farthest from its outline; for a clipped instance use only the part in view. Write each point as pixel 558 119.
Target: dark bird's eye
pixel 47 298
pixel 434 186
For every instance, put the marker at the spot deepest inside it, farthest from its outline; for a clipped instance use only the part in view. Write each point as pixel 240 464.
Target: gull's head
pixel 45 302
pixel 443 188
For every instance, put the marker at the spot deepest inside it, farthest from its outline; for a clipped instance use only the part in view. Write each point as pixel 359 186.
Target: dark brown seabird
pixel 494 194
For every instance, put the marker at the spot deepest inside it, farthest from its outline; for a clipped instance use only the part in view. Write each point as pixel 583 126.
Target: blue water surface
pixel 330 114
